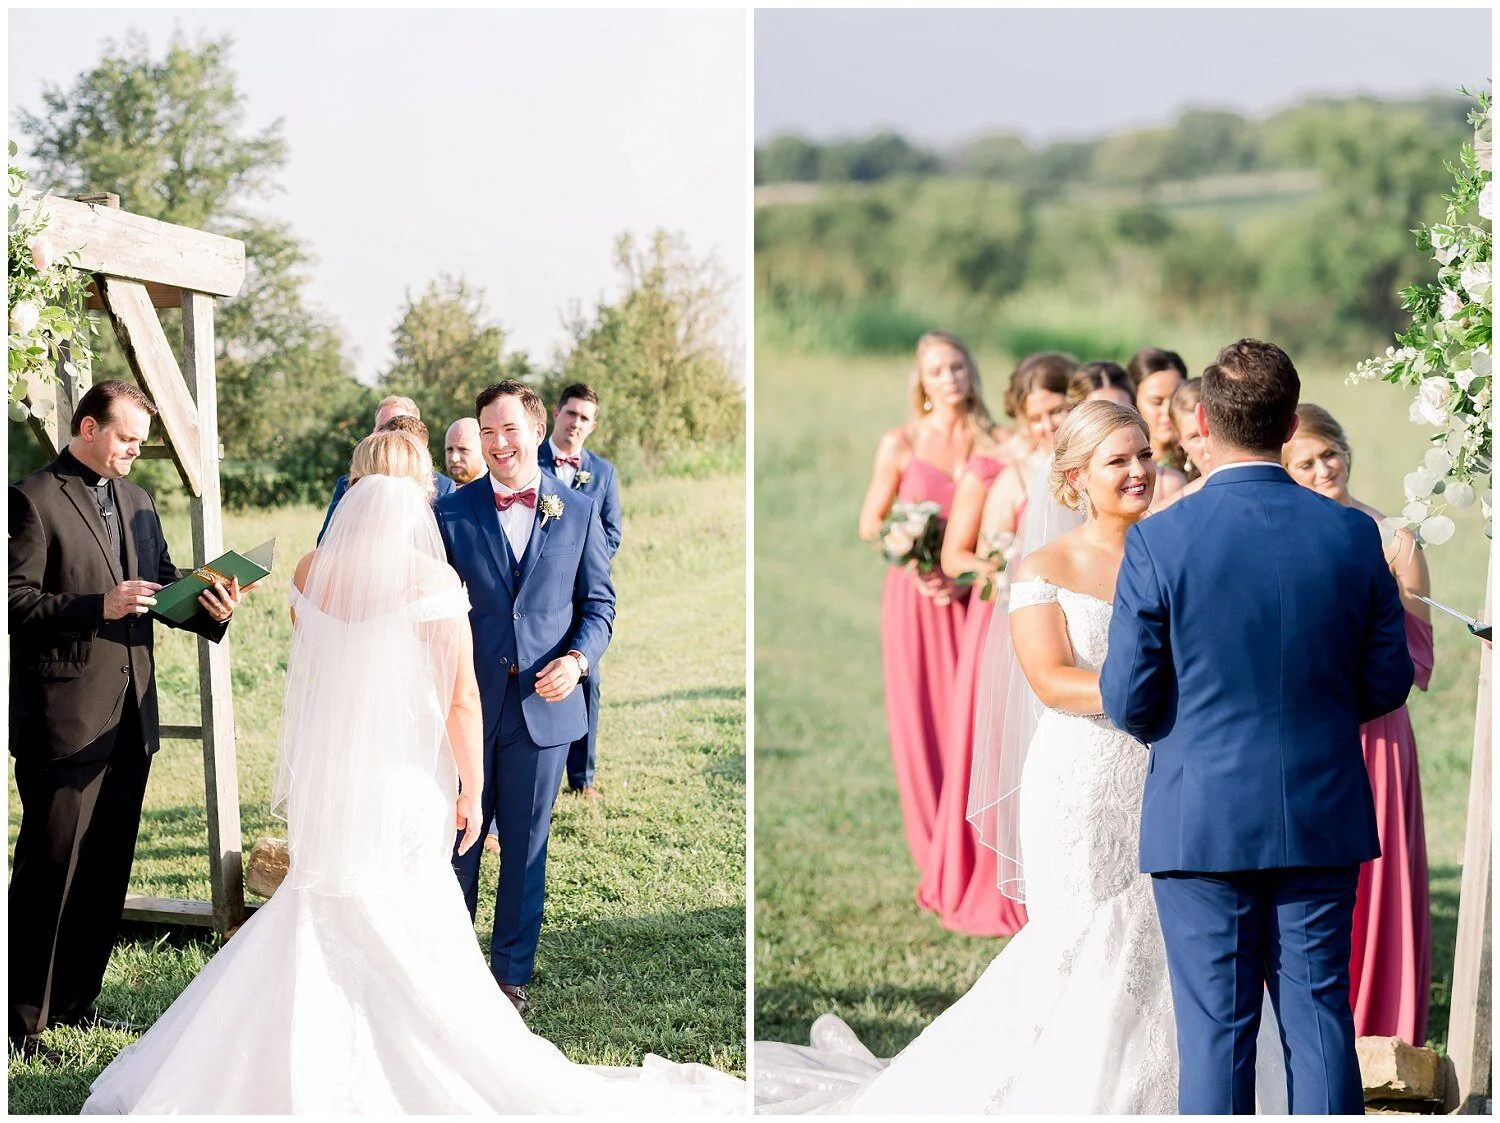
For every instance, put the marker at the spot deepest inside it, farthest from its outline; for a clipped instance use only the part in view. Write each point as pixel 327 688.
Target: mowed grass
pixel 643 949
pixel 836 925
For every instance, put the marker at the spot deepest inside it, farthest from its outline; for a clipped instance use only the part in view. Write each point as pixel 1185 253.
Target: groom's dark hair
pixel 510 388
pixel 1250 395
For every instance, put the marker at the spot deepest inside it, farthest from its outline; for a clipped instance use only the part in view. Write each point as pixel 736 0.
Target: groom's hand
pixel 556 680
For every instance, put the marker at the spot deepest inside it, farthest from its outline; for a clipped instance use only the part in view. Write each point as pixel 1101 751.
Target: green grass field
pixel 643 949
pixel 836 925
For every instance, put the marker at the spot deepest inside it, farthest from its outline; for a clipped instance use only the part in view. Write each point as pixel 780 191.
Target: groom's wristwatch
pixel 583 663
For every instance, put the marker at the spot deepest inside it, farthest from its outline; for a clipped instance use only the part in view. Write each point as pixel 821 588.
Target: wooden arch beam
pixel 121 244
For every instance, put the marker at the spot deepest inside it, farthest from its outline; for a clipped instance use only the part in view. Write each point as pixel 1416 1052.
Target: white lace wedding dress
pixel 1075 1014
pixel 360 987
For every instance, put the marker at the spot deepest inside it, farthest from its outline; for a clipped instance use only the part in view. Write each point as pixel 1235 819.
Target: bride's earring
pixel 1083 503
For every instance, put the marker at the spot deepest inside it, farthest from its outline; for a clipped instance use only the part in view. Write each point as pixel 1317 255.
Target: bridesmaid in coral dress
pixel 959 878
pixel 921 616
pixel 1390 970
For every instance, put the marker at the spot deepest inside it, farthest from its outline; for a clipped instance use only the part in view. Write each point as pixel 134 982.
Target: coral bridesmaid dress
pixel 1390 971
pixel 959 878
pixel 919 642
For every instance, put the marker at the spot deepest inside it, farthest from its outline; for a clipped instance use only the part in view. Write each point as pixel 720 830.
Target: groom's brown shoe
pixel 517 996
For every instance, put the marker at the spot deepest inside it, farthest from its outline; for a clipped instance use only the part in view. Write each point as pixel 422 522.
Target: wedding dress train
pixel 1075 1014
pixel 359 987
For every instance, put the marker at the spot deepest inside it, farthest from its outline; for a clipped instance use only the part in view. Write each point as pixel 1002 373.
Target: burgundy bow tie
pixel 504 499
pixel 559 461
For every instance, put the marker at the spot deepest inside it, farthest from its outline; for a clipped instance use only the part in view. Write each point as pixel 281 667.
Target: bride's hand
pixel 469 819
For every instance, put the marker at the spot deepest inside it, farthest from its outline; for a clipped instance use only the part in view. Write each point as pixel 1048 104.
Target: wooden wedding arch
pixel 138 265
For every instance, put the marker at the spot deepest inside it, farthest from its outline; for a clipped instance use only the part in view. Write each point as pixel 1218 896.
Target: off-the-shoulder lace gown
pixel 1075 1014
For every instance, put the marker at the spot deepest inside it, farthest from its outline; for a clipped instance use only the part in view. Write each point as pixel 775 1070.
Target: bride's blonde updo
pixel 1088 426
pixel 393 453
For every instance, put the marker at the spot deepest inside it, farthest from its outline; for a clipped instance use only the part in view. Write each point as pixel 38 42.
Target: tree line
pixel 167 134
pixel 1307 241
pixel 1199 143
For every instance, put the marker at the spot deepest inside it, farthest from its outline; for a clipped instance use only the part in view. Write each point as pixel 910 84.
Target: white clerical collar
pixel 1243 464
pixel 501 489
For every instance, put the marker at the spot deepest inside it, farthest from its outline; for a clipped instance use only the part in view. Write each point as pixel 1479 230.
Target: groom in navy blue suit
pixel 533 557
pixel 575 467
pixel 1256 627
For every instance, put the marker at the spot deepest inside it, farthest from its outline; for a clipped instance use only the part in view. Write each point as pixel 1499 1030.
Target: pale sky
pixel 941 77
pixel 507 146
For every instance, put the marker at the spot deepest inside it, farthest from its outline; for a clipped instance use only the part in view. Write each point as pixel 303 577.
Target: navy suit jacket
pixel 603 488
pixel 445 486
pixel 556 598
pixel 1255 628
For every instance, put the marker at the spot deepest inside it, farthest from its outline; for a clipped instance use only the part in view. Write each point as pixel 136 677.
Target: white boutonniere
pixel 551 507
pixel 581 477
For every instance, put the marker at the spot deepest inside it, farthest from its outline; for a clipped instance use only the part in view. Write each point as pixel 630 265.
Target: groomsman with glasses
pixel 575 467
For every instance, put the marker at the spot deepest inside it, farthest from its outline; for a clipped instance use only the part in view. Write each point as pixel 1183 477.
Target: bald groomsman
pixel 461 451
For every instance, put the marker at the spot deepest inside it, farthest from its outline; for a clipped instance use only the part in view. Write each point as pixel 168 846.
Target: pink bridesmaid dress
pixel 1390 970
pixel 919 642
pixel 959 879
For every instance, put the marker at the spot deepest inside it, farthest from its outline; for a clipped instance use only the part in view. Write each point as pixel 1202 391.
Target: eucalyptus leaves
pixel 1445 356
pixel 45 298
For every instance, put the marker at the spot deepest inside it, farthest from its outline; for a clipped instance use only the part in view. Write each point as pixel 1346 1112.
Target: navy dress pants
pixel 1230 937
pixel 521 779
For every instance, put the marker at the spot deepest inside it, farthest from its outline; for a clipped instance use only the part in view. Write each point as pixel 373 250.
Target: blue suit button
pixel 516 573
pixel 515 616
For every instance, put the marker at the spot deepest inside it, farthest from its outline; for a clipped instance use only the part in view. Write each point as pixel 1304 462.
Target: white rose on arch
pixel 42 253
pixel 24 316
pixel 1486 206
pixel 1451 304
pixel 1476 281
pixel 1433 396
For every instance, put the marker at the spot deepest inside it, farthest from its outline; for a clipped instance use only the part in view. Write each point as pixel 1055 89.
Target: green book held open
pixel 178 602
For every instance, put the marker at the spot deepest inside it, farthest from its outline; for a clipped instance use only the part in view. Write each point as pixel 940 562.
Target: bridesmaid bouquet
pixel 1001 549
pixel 912 532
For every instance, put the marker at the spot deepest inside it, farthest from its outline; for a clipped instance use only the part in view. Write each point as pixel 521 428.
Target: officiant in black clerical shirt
pixel 87 554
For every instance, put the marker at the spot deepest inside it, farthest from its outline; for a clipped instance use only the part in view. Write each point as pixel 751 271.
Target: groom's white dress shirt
pixel 1241 464
pixel 516 523
pixel 565 472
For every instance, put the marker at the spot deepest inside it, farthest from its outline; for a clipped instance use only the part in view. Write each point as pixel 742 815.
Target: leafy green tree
pixel 1334 275
pixel 168 136
pixel 1210 142
pixel 660 357
pixel 786 159
pixel 872 158
pixel 446 350
pixel 996 156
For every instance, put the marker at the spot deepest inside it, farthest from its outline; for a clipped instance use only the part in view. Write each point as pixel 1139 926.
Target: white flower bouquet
pixel 1000 548
pixel 912 534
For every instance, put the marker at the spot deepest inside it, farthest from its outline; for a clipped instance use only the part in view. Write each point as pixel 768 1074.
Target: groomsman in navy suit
pixel 534 559
pixel 578 469
pixel 1256 627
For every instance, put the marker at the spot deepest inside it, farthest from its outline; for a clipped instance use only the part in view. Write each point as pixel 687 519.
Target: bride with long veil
pixel 359 987
pixel 1075 1014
